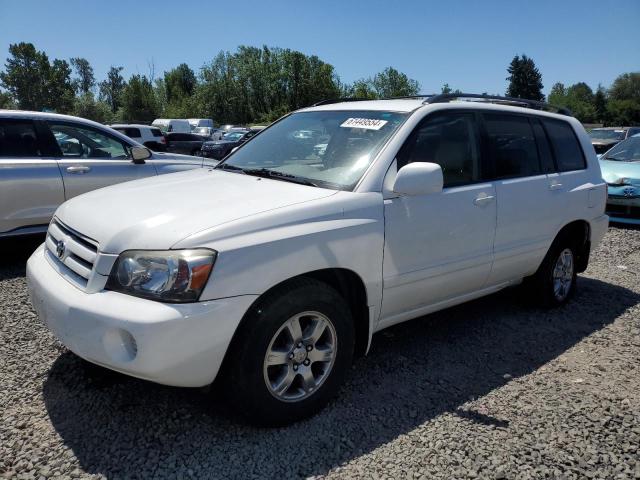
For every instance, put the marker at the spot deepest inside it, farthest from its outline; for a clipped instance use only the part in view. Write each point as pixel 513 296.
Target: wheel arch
pixel 580 232
pixel 346 282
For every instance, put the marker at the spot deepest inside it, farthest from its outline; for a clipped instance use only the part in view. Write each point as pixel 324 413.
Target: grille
pixel 76 252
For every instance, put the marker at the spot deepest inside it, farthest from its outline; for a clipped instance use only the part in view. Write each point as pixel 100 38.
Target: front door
pixel 439 246
pixel 91 158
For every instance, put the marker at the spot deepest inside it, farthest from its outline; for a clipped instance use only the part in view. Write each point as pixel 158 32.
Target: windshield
pixel 233 136
pixel 602 134
pixel 330 149
pixel 627 151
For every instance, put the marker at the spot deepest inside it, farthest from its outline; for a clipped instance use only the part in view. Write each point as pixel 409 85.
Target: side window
pixel 565 146
pixel 156 132
pixel 18 139
pixel 544 150
pixel 512 145
pixel 81 142
pixel 449 139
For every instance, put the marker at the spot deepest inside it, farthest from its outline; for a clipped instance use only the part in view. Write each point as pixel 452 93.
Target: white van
pixel 172 125
pixel 200 122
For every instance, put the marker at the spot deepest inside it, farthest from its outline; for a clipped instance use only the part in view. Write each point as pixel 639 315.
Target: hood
pixel 220 142
pixel 604 141
pixel 157 212
pixel 613 170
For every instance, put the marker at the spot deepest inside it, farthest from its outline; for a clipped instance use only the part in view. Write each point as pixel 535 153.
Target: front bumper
pixel 171 344
pixel 623 204
pixel 215 154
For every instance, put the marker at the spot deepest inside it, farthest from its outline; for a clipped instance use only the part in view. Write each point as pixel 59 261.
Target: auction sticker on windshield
pixel 366 123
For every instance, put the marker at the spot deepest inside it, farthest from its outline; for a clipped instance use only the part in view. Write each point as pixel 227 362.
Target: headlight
pixel 164 275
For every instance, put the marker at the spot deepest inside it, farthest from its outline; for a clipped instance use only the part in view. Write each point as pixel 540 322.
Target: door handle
pixel 78 169
pixel 555 186
pixel 483 200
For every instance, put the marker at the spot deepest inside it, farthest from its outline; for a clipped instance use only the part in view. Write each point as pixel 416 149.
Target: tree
pixel 446 89
pixel 392 83
pixel 60 87
pixel 6 101
pixel 600 104
pixel 111 89
pixel 179 82
pixel 525 81
pixel 623 107
pixel 138 100
pixel 84 80
pixel 85 106
pixel 558 95
pixel 26 76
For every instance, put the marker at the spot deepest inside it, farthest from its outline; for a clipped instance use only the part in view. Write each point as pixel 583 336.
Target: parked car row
pixel 274 268
pixel 46 159
pixel 603 139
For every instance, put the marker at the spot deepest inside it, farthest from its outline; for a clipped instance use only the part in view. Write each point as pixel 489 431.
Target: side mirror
pixel 140 154
pixel 419 178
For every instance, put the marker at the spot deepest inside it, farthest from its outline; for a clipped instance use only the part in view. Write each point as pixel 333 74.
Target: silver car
pixel 46 159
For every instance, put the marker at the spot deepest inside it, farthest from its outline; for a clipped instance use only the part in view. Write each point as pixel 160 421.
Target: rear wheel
pixel 555 281
pixel 291 354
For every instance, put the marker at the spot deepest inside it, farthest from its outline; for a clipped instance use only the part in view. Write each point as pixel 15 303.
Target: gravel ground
pixel 491 389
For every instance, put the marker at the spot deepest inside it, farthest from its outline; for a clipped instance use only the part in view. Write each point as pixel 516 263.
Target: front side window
pixel 18 139
pixel 336 157
pixel 81 142
pixel 450 140
pixel 627 151
pixel 564 144
pixel 512 145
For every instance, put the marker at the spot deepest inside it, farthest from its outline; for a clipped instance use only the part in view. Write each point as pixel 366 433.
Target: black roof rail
pixel 516 102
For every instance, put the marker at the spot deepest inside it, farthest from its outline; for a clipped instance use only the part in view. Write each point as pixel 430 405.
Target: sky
pixel 467 44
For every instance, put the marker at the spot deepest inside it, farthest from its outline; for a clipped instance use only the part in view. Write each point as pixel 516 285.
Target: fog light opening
pixel 120 345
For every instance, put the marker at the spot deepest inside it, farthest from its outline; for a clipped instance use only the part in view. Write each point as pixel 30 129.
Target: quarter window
pixel 451 141
pixel 564 144
pixel 80 142
pixel 512 146
pixel 18 139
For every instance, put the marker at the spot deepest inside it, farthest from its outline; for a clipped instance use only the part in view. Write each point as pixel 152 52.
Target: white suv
pixel 273 269
pixel 150 137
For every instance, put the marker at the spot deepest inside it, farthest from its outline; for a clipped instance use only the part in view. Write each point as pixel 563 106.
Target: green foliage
pixel 6 101
pixel 392 83
pixel 138 101
pixel 600 105
pixel 112 87
pixel 84 80
pixel 525 81
pixel 27 76
pixel 86 106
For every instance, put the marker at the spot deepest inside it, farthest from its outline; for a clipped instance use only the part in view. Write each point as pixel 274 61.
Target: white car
pixel 172 125
pixel 275 268
pixel 150 137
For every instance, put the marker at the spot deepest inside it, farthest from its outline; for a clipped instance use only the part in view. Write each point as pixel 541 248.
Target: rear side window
pixel 544 150
pixel 512 146
pixel 130 132
pixel 156 132
pixel 449 139
pixel 18 139
pixel 565 146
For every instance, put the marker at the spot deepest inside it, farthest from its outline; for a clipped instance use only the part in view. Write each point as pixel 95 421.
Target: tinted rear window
pixel 565 146
pixel 18 139
pixel 512 146
pixel 156 132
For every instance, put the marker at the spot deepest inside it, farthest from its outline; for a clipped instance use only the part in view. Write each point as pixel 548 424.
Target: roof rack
pixel 516 102
pixel 359 99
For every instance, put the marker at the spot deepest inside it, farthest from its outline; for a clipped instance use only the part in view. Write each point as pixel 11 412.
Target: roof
pixel 128 125
pixel 393 105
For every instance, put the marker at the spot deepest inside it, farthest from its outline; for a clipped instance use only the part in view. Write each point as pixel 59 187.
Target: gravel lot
pixel 491 389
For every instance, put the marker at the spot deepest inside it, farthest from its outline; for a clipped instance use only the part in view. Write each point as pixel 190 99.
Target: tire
pixel 313 371
pixel 551 286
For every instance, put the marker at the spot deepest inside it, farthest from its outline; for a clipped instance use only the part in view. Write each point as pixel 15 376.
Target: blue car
pixel 621 170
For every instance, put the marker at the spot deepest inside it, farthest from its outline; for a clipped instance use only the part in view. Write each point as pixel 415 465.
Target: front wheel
pixel 291 354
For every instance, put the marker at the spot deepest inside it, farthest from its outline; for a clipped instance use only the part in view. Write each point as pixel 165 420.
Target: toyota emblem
pixel 60 249
pixel 628 192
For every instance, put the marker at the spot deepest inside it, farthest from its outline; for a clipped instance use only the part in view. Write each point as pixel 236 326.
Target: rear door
pixel 90 158
pixel 527 202
pixel 31 186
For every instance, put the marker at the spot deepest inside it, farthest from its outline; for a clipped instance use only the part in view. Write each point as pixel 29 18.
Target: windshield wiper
pixel 268 173
pixel 226 166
